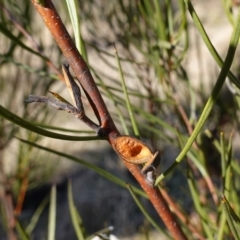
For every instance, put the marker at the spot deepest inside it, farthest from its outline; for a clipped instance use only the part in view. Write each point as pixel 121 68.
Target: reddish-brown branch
pixel 81 70
pixel 75 60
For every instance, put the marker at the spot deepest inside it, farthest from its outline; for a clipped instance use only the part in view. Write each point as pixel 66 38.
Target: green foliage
pixel 144 86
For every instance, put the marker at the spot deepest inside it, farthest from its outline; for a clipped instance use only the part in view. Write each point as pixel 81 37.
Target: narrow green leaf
pixel 16 40
pixel 228 10
pixel 76 220
pixel 62 129
pixel 144 211
pixel 231 217
pixel 222 225
pixel 207 41
pixel 86 164
pixel 205 221
pixel 36 215
pixel 73 7
pixel 228 179
pixel 21 232
pixel 129 107
pixel 223 156
pixel 212 99
pixel 159 21
pixel 112 97
pixel 31 127
pixel 52 214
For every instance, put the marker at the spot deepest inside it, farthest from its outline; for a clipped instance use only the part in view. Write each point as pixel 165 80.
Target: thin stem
pixel 208 43
pixel 81 70
pixel 76 61
pixel 212 99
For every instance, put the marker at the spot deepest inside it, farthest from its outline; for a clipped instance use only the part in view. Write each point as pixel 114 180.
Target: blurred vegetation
pixel 152 42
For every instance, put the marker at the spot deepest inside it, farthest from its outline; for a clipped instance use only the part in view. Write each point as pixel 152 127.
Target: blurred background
pixel 169 74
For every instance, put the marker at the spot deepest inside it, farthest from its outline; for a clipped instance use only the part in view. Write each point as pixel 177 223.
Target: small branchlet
pixel 65 106
pixel 55 103
pixel 61 104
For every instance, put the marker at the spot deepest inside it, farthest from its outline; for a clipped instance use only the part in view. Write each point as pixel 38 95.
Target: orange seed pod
pixel 133 150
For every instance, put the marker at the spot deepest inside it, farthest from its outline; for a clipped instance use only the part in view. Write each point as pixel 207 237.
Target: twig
pixel 60 105
pixel 82 72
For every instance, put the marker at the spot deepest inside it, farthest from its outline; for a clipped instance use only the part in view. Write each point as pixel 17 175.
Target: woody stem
pixel 82 72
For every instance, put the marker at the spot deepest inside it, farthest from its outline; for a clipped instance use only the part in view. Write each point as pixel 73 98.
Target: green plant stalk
pixel 73 5
pixel 216 143
pixel 129 107
pixel 178 58
pixel 200 210
pixel 27 67
pixel 202 169
pixel 75 20
pixel 62 129
pixel 151 118
pixel 212 99
pixel 227 185
pixel 227 5
pixel 222 225
pixel 235 198
pixel 74 215
pixel 233 214
pixel 227 211
pixel 160 25
pixel 52 214
pixel 146 10
pixel 207 41
pixel 112 97
pixel 183 19
pixel 14 39
pixel 36 215
pixel 88 165
pixel 170 18
pixel 223 157
pixel 193 104
pixel 31 127
pixel 21 232
pixel 195 159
